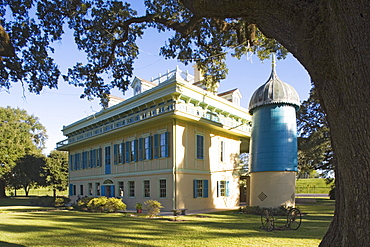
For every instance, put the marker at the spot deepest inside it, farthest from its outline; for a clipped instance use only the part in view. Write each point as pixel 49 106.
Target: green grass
pixel 312 185
pixel 74 228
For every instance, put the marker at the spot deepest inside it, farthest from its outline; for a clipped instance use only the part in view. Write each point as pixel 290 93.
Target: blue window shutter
pixel 112 191
pixel 227 188
pixel 71 162
pixel 123 152
pixel 103 190
pixel 135 150
pixel 71 189
pixel 195 184
pixel 128 152
pixel 218 188
pixel 141 140
pixel 150 147
pixel 205 188
pixel 115 154
pixel 167 144
pixel 156 146
pixel 91 162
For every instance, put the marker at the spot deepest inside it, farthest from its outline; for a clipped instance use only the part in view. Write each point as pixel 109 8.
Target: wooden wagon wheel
pixel 267 220
pixel 294 219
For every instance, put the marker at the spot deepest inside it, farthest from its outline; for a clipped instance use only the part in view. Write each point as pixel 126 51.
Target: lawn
pixel 312 185
pixel 74 228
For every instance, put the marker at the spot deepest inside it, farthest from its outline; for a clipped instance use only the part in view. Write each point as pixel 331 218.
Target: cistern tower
pixel 273 146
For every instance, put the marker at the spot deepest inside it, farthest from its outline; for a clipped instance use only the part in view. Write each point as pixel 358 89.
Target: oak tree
pixel 20 134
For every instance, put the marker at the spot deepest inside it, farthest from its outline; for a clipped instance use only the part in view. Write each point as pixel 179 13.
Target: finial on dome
pixel 273 65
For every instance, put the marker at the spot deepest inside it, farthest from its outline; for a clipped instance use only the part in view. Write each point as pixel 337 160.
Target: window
pixel 145 148
pixel 90 189
pixel 200 147
pixel 84 160
pixel 98 157
pixel 81 189
pixel 148 148
pixel 72 189
pixel 71 162
pixel 161 145
pixel 222 188
pixel 120 189
pixel 107 160
pixel 200 188
pixel 146 188
pixel 92 158
pixel 131 151
pixel 131 186
pixel 222 151
pixel 97 189
pixel 162 188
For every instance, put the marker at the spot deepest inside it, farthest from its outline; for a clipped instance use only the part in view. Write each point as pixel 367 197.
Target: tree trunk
pixel 331 39
pixel 2 189
pixel 54 193
pixel 26 190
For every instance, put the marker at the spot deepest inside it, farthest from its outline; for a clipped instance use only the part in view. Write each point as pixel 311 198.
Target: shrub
pixel 61 201
pixel 153 207
pixel 97 204
pixel 114 204
pixel 49 201
pixel 82 203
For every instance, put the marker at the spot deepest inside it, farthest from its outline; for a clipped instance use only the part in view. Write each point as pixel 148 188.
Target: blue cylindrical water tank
pixel 273 144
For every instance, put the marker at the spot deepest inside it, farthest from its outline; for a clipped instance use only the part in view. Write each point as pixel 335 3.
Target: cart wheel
pixel 294 219
pixel 267 220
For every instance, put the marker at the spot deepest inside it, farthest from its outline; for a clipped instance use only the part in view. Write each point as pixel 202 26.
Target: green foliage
pixel 107 31
pixel 103 204
pixel 28 173
pixel 82 203
pixel 114 204
pixel 49 201
pixel 56 170
pixel 97 204
pixel 314 145
pixel 153 207
pixel 20 134
pixel 139 205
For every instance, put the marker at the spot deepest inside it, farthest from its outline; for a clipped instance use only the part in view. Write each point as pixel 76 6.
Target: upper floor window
pixel 222 151
pixel 161 145
pixel 200 147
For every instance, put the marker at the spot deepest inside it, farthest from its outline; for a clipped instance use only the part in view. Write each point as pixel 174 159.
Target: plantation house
pixel 173 141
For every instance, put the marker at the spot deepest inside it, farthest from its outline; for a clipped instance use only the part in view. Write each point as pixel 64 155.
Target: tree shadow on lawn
pixel 7 244
pixel 71 227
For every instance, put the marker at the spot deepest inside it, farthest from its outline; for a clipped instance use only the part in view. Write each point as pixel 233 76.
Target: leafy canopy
pixel 20 134
pixel 107 32
pixel 314 143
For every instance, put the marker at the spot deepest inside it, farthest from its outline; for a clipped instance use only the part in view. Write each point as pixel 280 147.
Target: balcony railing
pixel 227 122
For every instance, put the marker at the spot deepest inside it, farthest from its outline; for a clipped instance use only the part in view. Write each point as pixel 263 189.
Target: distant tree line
pixel 22 164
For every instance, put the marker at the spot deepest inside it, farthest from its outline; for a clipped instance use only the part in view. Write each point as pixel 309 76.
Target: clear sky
pixel 63 106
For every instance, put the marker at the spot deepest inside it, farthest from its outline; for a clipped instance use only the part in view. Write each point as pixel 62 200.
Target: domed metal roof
pixel 274 91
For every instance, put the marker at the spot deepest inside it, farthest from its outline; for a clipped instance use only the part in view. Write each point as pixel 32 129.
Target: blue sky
pixel 63 106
